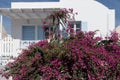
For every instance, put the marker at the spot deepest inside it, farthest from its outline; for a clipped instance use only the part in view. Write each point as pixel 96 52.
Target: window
pixel 47 31
pixel 28 32
pixel 80 25
pixel 76 25
pixel 32 33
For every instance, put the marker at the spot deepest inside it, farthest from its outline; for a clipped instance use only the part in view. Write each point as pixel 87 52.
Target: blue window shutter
pixel 84 26
pixel 28 32
pixel 78 25
pixel 40 33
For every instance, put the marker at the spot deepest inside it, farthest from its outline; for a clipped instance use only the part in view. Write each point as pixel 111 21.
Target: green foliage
pixel 78 57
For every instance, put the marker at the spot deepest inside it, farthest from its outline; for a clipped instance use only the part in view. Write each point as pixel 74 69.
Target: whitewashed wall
pixel 98 16
pixel 17 26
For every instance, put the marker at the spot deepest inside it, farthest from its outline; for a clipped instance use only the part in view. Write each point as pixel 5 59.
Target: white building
pixel 26 17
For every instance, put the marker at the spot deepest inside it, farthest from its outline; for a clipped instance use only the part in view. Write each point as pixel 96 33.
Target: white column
pixel 0 26
pixel 36 27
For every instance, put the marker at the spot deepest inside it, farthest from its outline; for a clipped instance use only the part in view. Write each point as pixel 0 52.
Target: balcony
pixel 12 47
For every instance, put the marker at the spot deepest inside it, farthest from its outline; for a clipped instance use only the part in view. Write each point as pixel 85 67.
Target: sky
pixel 112 4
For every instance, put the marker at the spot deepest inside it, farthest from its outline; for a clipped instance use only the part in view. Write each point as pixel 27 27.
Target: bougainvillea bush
pixel 78 57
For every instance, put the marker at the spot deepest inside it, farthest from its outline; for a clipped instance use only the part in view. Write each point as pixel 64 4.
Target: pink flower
pixel 71 10
pixel 37 55
pixel 16 78
pixel 44 22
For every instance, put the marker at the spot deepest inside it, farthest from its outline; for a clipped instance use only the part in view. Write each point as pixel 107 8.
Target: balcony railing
pixel 12 47
pixel 25 43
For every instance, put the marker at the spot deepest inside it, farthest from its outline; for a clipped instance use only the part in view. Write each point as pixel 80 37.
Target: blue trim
pixel 84 26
